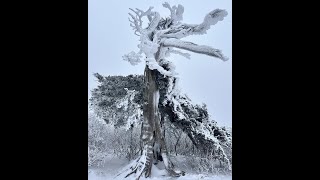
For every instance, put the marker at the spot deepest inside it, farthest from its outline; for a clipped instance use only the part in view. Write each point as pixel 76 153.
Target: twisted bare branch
pixel 201 49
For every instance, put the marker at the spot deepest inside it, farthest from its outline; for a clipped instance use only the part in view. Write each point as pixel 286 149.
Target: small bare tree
pixel 160 38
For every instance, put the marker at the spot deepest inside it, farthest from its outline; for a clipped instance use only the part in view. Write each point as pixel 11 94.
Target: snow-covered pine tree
pixel 118 99
pixel 110 92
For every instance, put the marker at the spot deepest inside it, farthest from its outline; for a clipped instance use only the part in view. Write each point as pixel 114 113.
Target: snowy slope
pixel 113 166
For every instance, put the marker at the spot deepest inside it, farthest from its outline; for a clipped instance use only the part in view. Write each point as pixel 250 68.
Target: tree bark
pixel 176 144
pixel 150 115
pixel 152 129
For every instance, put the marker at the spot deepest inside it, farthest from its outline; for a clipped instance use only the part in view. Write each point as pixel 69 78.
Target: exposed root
pixel 138 168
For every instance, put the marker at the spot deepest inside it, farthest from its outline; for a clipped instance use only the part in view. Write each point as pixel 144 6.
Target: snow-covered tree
pixel 111 90
pixel 118 99
pixel 96 140
pixel 161 96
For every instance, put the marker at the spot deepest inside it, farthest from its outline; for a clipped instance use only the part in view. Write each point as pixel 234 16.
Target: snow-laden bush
pixel 205 165
pixel 178 142
pixel 125 143
pixel 105 140
pixel 97 140
pixel 189 158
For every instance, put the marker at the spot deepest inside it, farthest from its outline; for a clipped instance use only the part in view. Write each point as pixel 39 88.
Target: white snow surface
pixel 113 166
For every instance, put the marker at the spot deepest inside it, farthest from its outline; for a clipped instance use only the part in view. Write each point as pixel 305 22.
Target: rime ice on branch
pixel 158 39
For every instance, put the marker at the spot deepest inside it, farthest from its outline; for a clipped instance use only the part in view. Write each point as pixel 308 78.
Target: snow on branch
pixel 210 19
pixel 201 49
pixel 159 38
pixel 133 58
pixel 184 30
pixel 136 20
pixel 209 135
pixel 127 103
pixel 194 120
pixel 153 64
pixel 203 132
pixel 186 55
pixel 176 12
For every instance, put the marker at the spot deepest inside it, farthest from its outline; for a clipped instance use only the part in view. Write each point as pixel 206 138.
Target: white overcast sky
pixel 205 79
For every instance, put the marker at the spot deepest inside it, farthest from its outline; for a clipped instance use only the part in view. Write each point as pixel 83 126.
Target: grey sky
pixel 205 79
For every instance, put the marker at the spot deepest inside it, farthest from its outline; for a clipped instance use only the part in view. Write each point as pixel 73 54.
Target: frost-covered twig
pixel 136 20
pixel 176 12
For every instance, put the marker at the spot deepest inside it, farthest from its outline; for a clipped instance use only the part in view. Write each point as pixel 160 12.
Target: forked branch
pixel 136 20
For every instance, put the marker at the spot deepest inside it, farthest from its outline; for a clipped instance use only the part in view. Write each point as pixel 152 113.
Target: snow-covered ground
pixel 113 166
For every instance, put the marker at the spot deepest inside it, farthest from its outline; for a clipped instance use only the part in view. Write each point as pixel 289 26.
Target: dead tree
pixel 159 39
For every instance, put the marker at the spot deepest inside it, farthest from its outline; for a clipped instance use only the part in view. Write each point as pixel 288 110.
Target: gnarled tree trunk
pixel 150 115
pixel 165 34
pixel 151 118
pixel 152 131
